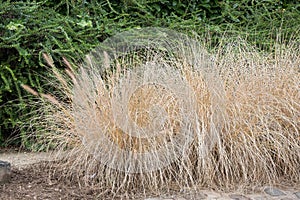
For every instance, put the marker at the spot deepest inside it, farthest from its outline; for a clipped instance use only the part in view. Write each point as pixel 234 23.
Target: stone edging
pixel 5 172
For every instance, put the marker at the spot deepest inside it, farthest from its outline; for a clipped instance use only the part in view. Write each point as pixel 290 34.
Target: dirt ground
pixel 34 183
pixel 30 180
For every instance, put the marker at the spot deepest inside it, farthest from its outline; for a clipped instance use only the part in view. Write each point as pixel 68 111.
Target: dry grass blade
pixel 236 126
pixel 30 90
pixel 49 60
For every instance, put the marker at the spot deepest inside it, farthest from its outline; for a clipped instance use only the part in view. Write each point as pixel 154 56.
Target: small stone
pixel 260 198
pixel 297 194
pixel 238 197
pixel 180 198
pixel 213 195
pixel 194 196
pixel 274 192
pixel 5 172
pixel 153 198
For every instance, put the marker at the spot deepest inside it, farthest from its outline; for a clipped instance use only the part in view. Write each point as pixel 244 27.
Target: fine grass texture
pixel 223 120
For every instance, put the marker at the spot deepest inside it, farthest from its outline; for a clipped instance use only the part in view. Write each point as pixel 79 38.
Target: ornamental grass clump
pixel 150 111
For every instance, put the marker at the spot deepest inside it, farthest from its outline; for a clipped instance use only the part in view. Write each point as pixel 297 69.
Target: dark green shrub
pixel 26 31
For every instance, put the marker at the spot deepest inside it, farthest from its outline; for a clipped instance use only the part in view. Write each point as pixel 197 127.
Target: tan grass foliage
pixel 246 129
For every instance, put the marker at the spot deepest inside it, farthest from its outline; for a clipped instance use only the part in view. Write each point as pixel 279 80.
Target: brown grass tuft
pixel 242 112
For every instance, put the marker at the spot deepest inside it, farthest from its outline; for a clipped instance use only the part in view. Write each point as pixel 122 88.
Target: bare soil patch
pixel 30 178
pixel 33 182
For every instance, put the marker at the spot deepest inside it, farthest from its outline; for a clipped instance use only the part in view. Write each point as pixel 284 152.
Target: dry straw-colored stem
pixel 252 127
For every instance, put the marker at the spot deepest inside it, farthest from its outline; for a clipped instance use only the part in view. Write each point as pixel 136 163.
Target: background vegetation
pixel 71 28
